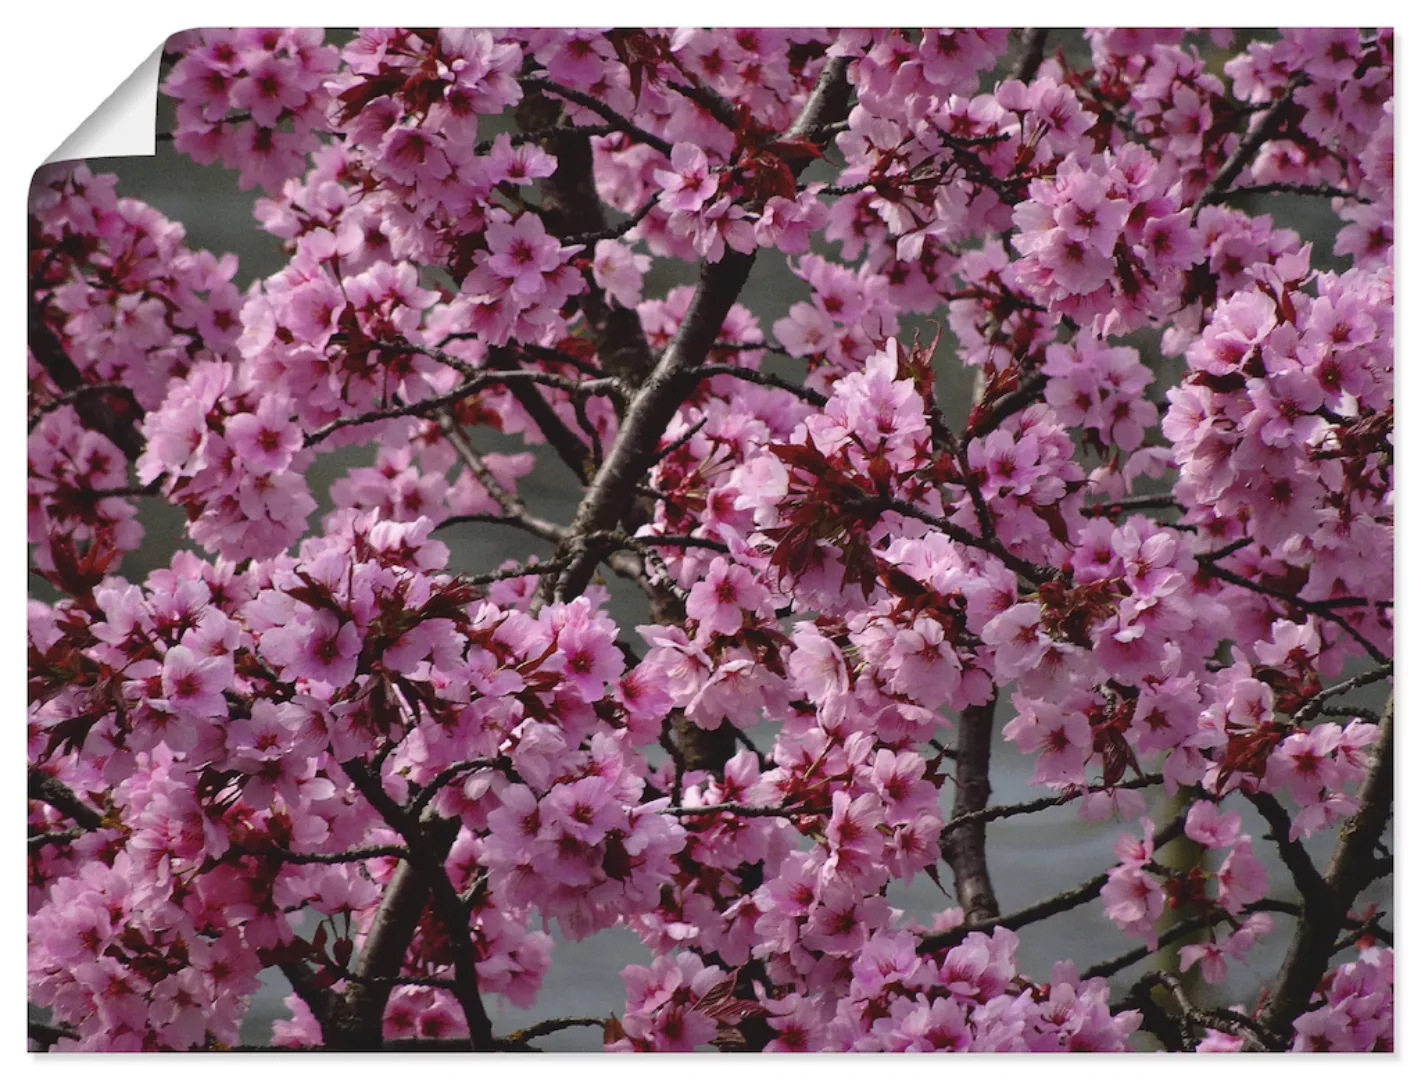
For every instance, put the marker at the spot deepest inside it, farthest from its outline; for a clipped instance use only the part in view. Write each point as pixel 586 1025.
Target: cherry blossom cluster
pixel 253 99
pixel 133 307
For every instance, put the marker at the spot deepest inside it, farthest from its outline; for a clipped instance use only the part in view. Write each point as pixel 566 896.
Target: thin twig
pixel 996 813
pixel 1315 703
pixel 740 810
pixel 1322 191
pixel 1064 901
pixel 70 397
pixel 481 380
pixel 606 112
pixel 376 851
pixel 614 232
pixel 1306 606
pixel 1244 153
pixel 764 378
pixel 445 777
pixel 1033 573
pixel 38 841
pixel 547 1027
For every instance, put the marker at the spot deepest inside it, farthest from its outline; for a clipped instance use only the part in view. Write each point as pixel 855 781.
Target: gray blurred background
pixel 1031 857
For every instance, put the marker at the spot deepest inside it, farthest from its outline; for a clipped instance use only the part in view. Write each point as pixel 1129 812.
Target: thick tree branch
pixel 1295 857
pixel 354 1020
pixel 48 1034
pixel 574 211
pixel 1033 51
pixel 427 852
pixel 65 374
pixel 1349 872
pixel 964 843
pixel 569 447
pixel 49 789
pixel 666 387
pixel 1244 153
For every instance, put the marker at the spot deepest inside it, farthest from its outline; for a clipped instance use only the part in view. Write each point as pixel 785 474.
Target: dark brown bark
pixel 964 845
pixel 1261 132
pixel 48 789
pixel 355 1019
pixel 1033 51
pixel 429 840
pixel 665 388
pixel 571 207
pixel 1325 907
pixel 97 412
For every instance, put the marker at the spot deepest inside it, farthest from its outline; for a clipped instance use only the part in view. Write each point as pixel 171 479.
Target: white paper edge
pixel 122 125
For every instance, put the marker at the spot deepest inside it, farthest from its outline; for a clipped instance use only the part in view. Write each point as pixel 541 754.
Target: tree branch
pixel 481 380
pixel 1033 51
pixel 738 810
pixel 512 506
pixel 1046 802
pixel 49 1034
pixel 1193 1017
pixel 1170 935
pixel 606 112
pixel 1033 573
pixel 1323 191
pixel 1309 882
pixel 375 851
pixel 764 378
pixel 547 1027
pixel 1322 611
pixel 964 842
pixel 1073 897
pixel 1260 133
pixel 568 446
pixel 51 790
pixel 667 385
pixel 1314 703
pixel 65 374
pixel 426 856
pixel 445 777
pixel 1350 871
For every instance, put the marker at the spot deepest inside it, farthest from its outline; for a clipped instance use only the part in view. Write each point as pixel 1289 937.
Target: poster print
pixel 752 539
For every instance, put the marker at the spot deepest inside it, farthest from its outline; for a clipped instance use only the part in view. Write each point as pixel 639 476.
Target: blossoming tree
pixel 307 745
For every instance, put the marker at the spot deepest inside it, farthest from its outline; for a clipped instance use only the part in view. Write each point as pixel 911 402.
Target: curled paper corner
pixel 123 125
